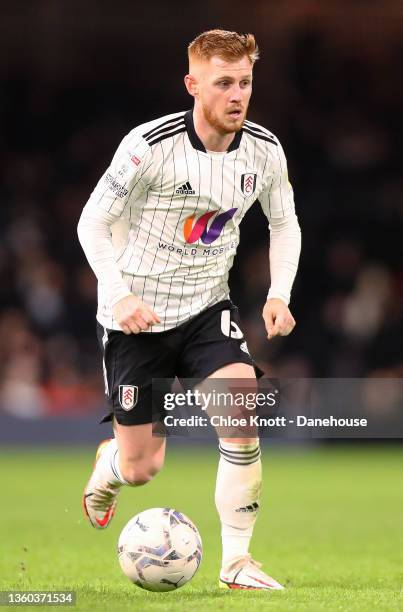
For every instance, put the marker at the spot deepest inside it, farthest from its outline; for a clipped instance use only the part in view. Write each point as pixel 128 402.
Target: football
pixel 160 549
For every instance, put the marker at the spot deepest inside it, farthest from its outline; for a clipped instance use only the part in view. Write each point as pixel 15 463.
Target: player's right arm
pixel 124 181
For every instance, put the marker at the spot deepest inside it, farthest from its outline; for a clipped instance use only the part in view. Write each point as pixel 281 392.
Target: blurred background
pixel 76 77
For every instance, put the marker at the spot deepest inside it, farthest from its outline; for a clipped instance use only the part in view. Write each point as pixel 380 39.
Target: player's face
pixel 224 92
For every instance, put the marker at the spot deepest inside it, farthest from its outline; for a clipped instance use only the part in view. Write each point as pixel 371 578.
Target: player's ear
pixel 191 85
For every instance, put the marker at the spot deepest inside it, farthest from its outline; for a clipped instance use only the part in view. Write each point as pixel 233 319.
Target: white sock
pixel 108 465
pixel 239 479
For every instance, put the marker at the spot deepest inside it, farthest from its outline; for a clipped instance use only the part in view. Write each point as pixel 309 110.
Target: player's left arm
pixel 277 202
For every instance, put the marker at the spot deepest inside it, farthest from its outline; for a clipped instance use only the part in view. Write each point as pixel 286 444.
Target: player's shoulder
pixel 254 130
pixel 154 131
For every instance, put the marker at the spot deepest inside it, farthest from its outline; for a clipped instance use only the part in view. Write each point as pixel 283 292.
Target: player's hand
pixel 277 318
pixel 133 315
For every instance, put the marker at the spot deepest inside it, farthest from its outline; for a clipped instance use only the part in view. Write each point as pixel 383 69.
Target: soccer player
pixel 160 231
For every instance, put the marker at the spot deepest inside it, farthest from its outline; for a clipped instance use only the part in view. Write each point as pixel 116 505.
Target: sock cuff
pixel 114 465
pixel 240 454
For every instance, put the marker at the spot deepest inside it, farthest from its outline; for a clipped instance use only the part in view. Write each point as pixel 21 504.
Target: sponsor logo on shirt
pixel 195 228
pixel 199 250
pixel 116 187
pixel 185 189
pixel 136 160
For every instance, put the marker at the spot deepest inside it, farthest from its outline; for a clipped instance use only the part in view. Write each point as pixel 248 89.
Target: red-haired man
pixel 160 231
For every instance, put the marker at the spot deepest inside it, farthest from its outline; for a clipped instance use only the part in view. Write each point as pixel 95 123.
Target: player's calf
pixel 141 455
pixel 110 473
pixel 237 495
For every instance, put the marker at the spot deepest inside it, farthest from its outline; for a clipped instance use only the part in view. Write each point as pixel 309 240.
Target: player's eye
pixel 245 83
pixel 223 83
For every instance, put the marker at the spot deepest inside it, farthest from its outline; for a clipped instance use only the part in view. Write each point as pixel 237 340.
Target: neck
pixel 210 137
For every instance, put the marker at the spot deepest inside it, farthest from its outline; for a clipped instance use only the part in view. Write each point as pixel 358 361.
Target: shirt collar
pixel 197 143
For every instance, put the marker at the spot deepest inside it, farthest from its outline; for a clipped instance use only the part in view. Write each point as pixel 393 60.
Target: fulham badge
pixel 128 395
pixel 248 183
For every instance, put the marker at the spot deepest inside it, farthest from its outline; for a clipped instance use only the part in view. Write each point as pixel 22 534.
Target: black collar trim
pixel 197 143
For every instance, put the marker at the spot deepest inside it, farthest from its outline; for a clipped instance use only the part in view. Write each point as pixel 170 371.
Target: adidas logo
pixel 252 508
pixel 186 189
pixel 244 347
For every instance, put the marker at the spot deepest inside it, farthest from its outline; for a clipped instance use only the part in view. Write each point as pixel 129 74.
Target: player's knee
pixel 138 473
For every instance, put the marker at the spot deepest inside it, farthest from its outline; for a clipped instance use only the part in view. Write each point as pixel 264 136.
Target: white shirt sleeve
pixel 124 181
pixel 277 202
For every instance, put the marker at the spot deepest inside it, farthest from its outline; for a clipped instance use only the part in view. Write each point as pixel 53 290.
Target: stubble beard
pixel 223 127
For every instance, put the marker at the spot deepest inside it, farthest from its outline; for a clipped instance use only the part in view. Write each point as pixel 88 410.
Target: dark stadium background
pixel 76 77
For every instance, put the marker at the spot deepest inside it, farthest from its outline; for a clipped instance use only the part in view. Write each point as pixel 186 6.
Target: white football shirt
pixel 163 221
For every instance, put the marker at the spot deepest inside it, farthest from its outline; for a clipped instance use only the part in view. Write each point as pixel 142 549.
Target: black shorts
pixel 195 349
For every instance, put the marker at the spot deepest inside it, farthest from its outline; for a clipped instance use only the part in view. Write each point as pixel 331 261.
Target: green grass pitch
pixel 330 529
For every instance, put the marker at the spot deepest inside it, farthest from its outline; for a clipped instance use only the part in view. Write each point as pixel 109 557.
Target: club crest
pixel 248 183
pixel 128 396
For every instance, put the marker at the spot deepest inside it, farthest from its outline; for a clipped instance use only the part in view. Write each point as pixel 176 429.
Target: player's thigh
pixel 138 441
pixel 212 340
pixel 242 371
pixel 131 362
pixel 246 376
pixel 215 350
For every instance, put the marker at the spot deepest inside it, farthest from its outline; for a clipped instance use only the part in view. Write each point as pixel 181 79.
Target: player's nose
pixel 236 94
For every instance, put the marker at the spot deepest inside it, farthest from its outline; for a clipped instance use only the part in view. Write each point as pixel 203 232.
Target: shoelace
pixel 102 499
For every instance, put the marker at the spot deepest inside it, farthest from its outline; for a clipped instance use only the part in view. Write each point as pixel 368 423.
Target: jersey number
pixel 228 327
